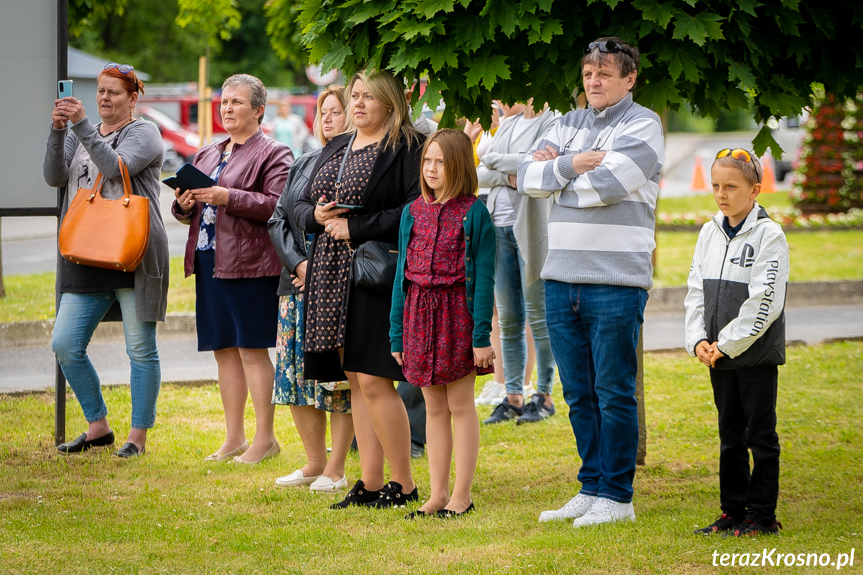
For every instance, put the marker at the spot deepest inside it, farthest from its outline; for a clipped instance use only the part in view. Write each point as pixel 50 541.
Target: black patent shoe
pixel 129 450
pixel 449 514
pixel 82 444
pixel 358 495
pixel 391 496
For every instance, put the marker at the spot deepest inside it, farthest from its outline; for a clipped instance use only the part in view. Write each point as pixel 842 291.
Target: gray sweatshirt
pixel 69 168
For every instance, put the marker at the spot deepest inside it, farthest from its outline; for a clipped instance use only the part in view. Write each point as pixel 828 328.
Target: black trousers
pixel 412 397
pixel 746 403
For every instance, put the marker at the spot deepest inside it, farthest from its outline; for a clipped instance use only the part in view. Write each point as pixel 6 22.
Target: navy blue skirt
pixel 230 313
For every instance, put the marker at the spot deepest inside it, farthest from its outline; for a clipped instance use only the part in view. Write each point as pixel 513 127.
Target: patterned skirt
pixel 438 336
pixel 290 387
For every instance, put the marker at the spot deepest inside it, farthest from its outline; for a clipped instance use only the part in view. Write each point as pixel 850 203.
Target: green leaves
pixel 759 55
pixel 487 69
pixel 698 28
pixel 765 140
pixel 655 11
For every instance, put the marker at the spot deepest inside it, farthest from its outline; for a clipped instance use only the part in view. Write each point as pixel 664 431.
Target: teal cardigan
pixel 480 251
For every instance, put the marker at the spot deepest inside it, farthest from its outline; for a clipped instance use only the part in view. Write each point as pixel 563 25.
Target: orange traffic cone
pixel 768 180
pixel 698 184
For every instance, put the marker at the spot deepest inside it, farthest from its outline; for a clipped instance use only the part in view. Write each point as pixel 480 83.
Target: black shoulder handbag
pixel 373 263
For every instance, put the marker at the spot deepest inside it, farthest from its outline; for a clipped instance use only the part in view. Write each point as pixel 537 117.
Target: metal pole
pixel 62 74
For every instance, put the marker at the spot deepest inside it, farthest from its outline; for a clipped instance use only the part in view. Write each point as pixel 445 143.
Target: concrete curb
pixel 662 300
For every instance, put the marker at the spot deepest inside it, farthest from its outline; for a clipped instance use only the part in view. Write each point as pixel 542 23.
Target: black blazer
pixel 393 184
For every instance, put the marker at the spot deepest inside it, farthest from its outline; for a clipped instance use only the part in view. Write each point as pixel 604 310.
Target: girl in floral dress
pixel 441 314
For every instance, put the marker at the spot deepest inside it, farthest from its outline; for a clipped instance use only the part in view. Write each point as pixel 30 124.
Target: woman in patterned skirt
pixel 375 170
pixel 309 400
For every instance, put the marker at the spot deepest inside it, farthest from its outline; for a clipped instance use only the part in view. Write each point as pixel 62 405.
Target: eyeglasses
pixel 736 153
pixel 608 47
pixel 122 68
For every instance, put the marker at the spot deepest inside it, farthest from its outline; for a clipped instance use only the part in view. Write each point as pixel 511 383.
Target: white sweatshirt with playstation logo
pixel 736 292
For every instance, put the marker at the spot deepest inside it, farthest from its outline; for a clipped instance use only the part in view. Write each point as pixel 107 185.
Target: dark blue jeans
pixel 594 335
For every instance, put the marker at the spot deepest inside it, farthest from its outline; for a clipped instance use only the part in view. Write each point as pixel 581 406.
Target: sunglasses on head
pixel 608 47
pixel 736 153
pixel 122 68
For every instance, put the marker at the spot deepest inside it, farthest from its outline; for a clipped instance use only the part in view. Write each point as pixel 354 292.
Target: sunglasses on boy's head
pixel 608 47
pixel 743 156
pixel 122 68
pixel 736 153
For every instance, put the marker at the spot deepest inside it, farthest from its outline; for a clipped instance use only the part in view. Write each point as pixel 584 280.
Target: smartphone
pixel 342 206
pixel 65 89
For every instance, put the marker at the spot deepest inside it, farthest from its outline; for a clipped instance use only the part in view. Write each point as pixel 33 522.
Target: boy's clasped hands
pixel 708 353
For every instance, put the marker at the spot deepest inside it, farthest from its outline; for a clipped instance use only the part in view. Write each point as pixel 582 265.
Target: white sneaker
pixel 491 391
pixel 575 508
pixel 605 511
pixel 324 483
pixel 295 479
pixel 529 390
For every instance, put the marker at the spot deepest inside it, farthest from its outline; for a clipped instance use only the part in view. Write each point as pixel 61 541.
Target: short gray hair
pixel 257 91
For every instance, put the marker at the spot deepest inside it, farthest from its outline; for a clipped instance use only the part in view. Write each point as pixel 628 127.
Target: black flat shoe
pixel 418 513
pixel 129 450
pixel 448 514
pixel 81 444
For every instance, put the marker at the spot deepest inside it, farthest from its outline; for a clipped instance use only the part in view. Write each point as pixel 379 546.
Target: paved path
pixel 32 367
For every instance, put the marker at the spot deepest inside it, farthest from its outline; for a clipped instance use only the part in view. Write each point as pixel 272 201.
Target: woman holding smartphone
pixel 77 152
pixel 376 168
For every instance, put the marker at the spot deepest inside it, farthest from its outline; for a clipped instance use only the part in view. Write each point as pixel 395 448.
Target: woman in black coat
pixel 376 168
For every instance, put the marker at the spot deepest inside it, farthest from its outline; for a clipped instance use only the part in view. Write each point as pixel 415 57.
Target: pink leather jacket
pixel 255 177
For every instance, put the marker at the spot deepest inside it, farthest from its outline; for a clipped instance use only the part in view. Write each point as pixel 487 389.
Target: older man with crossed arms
pixel 602 164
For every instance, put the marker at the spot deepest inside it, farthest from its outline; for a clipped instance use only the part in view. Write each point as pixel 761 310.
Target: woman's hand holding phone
pixel 326 211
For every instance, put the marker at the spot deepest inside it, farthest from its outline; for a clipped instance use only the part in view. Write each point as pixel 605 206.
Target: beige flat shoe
pixel 219 456
pixel 271 452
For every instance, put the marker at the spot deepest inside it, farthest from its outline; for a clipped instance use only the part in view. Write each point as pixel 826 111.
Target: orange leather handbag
pixel 110 234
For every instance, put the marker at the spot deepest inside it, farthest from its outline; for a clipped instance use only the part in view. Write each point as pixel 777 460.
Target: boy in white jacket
pixel 735 324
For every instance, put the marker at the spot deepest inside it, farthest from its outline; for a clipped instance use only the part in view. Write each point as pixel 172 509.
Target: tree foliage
pixel 717 55
pixel 165 38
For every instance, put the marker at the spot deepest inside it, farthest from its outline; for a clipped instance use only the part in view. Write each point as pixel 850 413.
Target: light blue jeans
pixel 515 301
pixel 77 318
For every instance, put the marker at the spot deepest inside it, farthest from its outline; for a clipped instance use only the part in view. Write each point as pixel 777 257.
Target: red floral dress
pixel 438 327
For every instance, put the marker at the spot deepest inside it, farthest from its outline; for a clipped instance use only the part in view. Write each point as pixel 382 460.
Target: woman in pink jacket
pixel 236 268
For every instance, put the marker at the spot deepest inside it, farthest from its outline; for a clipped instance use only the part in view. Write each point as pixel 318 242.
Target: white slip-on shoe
pixel 605 511
pixel 573 509
pixel 325 484
pixel 296 479
pixel 490 391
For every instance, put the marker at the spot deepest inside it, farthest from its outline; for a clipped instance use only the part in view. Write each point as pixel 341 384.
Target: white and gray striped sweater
pixel 601 227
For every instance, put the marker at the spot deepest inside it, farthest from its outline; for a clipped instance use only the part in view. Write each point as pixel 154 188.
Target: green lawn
pixel 170 512
pixel 815 256
pixel 705 201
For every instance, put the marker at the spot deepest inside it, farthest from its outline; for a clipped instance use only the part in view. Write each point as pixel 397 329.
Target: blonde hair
pixel 339 93
pixel 458 166
pixel 387 91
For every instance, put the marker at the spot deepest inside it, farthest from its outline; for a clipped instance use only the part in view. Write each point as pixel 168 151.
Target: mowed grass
pixel 170 512
pixel 30 297
pixel 815 256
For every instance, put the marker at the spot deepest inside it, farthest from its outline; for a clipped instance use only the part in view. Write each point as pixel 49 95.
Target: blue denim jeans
pixel 515 300
pixel 594 333
pixel 77 318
